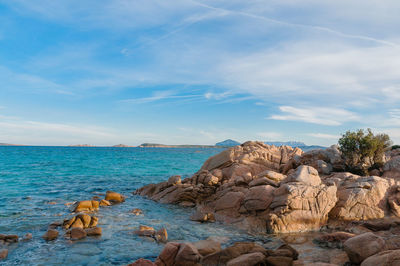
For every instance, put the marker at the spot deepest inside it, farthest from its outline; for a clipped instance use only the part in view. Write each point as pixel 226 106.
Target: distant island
pixel 223 144
pixel 122 146
pixel 156 145
pixel 228 143
pixel 7 144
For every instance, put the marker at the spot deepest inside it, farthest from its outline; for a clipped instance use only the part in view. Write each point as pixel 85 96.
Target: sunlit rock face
pixel 272 189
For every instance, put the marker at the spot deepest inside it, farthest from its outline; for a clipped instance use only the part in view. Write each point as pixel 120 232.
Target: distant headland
pixel 223 144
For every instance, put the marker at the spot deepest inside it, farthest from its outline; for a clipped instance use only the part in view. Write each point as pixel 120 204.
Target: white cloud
pixel 18 131
pixel 316 115
pixel 270 136
pixel 324 136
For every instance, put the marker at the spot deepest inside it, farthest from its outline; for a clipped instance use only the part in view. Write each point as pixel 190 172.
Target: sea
pixel 38 183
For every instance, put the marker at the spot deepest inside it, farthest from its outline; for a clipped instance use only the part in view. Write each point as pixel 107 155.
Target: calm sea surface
pixel 32 179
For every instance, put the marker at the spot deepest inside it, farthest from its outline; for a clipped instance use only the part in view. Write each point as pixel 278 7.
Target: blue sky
pixel 198 72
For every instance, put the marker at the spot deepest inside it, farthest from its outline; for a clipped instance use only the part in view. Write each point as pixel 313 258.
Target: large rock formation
pixel 280 189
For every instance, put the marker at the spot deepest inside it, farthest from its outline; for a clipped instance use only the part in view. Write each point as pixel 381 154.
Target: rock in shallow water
pixel 81 220
pixel 3 254
pixel 95 231
pixel 50 235
pixel 85 205
pixel 9 238
pixel 114 197
pixel 76 233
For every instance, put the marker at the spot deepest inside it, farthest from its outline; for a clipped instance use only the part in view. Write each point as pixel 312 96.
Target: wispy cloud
pixel 315 115
pixel 14 129
pixel 299 25
pixel 270 136
pixel 159 96
pixel 324 136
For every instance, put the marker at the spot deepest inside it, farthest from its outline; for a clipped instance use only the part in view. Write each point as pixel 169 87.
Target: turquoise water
pixel 33 177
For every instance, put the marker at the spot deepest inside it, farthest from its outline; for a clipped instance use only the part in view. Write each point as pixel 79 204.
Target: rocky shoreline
pixel 298 209
pixel 305 199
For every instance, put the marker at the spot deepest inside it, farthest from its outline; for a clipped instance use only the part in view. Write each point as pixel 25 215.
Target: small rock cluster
pixel 82 224
pixel 209 252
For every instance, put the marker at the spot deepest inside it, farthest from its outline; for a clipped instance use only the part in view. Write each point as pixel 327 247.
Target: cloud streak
pixel 315 115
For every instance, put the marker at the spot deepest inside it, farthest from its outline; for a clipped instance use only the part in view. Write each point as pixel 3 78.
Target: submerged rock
pixel 9 238
pixel 137 211
pixel 3 254
pixel 27 237
pixel 333 240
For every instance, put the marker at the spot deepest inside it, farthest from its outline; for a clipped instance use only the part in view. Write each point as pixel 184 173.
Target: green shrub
pixel 362 150
pixel 395 147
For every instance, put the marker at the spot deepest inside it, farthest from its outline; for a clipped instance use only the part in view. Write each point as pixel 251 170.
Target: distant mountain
pixel 286 143
pixel 228 143
pixel 311 147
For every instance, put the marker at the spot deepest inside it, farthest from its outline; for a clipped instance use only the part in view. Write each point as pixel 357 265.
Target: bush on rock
pixel 362 150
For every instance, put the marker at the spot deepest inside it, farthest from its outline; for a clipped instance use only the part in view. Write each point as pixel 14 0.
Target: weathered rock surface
pixel 361 198
pixel 325 161
pixel 81 221
pixel 392 167
pixel 208 246
pixel 385 258
pixel 297 207
pixel 142 262
pixel 250 259
pixel 168 254
pixel 360 247
pixel 208 253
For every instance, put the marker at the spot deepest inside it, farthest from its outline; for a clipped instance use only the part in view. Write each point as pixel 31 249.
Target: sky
pixel 197 71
